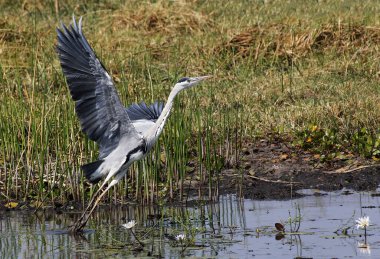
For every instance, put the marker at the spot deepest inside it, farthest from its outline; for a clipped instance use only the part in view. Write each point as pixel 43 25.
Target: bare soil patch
pixel 275 170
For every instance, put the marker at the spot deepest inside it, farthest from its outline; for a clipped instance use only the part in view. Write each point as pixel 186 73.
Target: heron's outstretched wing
pixel 141 111
pixel 102 116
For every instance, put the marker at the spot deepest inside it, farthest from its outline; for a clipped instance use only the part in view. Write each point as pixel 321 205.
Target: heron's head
pixel 187 82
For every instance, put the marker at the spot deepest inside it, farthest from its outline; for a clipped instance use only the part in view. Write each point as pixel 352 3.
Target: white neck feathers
pixel 155 131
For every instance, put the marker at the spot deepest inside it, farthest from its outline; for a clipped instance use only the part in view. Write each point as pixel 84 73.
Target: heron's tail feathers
pixel 93 172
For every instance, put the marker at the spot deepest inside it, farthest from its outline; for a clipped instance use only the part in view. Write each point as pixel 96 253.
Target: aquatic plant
pixel 129 224
pixel 363 223
pixel 295 222
pixel 180 237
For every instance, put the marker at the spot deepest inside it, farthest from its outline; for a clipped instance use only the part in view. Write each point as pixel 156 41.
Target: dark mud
pixel 275 170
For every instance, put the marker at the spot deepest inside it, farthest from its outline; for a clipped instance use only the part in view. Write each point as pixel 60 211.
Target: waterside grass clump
pixel 309 72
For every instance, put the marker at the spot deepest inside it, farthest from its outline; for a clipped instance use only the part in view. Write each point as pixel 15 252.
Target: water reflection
pixel 230 227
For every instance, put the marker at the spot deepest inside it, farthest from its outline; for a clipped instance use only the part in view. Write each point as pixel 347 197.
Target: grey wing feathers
pixel 141 111
pixel 102 116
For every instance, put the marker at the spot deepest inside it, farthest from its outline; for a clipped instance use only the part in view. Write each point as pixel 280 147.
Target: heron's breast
pixel 142 125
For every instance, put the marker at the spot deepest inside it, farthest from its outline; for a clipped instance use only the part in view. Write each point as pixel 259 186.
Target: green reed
pixel 259 89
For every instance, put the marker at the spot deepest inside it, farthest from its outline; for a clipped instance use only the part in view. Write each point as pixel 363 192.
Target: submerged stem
pixel 134 235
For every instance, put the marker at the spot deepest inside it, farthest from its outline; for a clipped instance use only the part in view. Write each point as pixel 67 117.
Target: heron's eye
pixel 188 80
pixel 183 80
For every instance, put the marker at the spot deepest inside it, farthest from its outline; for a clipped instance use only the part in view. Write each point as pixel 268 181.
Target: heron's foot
pixel 79 225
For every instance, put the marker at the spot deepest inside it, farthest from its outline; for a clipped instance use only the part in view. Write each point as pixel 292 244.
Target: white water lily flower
pixel 364 248
pixel 362 222
pixel 180 237
pixel 130 224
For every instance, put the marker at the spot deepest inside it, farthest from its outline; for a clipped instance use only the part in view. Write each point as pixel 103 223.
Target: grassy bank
pixel 307 71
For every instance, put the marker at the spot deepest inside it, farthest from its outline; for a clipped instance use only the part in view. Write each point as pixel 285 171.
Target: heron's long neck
pixel 154 132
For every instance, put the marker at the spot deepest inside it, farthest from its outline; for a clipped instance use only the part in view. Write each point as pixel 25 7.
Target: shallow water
pixel 230 228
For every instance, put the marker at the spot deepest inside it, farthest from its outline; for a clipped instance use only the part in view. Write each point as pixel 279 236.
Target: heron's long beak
pixel 196 80
pixel 201 78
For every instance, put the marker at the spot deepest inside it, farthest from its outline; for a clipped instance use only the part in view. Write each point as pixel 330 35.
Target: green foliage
pixel 330 142
pixel 278 67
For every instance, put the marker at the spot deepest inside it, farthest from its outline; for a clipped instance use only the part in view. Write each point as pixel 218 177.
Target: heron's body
pixel 142 118
pixel 120 158
pixel 124 135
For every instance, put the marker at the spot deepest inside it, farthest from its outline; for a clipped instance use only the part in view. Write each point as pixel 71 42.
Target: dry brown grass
pixel 281 40
pixel 163 17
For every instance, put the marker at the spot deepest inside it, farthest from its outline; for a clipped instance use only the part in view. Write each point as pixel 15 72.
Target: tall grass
pixel 279 68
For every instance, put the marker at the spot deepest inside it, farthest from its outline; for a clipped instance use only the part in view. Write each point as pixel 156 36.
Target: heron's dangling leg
pixel 81 223
pixel 93 198
pixel 112 183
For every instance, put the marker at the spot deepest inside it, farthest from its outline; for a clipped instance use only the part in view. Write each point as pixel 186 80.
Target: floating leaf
pixel 279 227
pixel 11 205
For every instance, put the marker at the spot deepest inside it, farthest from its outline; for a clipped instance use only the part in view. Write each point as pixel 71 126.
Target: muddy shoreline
pixel 269 170
pixel 275 170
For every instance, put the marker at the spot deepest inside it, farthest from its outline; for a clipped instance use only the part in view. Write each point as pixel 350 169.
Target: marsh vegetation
pixel 307 73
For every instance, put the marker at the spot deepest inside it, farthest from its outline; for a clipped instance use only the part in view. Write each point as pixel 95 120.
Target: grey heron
pixel 124 135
